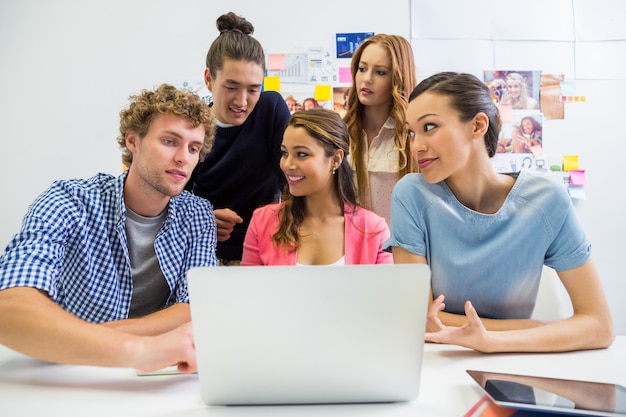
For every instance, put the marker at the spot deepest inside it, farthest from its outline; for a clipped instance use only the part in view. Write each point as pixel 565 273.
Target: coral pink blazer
pixel 365 233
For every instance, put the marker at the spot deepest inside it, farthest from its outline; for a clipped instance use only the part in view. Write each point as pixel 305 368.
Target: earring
pixel 334 171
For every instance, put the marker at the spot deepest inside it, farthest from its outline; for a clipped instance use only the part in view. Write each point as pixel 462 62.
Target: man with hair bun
pixel 242 171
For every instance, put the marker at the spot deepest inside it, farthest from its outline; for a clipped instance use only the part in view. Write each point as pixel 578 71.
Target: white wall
pixel 595 133
pixel 68 67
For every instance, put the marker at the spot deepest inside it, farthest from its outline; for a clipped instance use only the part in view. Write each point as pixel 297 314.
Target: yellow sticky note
pixel 570 162
pixel 323 92
pixel 271 83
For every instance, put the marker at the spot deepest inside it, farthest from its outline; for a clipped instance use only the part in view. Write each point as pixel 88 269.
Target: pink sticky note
pixel 506 112
pixel 537 151
pixel 345 76
pixel 577 177
pixel 276 62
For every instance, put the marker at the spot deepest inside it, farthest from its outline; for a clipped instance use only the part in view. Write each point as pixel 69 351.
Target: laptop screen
pixel 289 334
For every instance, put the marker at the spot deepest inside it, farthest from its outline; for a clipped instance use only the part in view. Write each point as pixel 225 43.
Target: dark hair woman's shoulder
pixel 412 178
pixel 414 184
pixel 265 212
pixel 536 185
pixel 366 221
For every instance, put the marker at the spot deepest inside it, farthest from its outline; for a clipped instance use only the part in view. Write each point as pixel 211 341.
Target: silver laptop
pixel 309 334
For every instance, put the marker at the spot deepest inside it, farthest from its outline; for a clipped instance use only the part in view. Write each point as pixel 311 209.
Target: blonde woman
pixel 383 73
pixel 516 94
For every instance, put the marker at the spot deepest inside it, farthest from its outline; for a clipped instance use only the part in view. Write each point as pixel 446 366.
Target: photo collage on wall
pixel 316 77
pixel 517 94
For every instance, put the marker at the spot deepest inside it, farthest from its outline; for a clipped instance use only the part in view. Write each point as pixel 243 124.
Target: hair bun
pixel 230 22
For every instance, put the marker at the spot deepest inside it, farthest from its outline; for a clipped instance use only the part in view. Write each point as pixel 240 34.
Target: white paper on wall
pixel 432 56
pixel 451 19
pixel 549 57
pixel 551 20
pixel 601 60
pixel 600 20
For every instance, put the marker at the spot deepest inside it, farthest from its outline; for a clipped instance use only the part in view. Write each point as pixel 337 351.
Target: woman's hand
pixel 433 322
pixel 472 335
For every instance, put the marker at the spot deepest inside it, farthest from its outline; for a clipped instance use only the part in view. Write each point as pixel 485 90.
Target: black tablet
pixel 552 395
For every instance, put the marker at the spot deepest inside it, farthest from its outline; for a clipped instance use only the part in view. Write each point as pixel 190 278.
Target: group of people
pixel 97 273
pixel 307 104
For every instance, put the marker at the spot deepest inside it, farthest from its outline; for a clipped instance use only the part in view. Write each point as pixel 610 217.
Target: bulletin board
pixel 550 44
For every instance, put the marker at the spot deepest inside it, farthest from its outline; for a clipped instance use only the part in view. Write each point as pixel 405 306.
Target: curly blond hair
pixel 165 99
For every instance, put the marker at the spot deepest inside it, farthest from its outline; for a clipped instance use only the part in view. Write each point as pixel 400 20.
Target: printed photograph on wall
pixel 293 101
pixel 347 43
pixel 303 100
pixel 551 105
pixel 518 89
pixel 522 134
pixel 340 100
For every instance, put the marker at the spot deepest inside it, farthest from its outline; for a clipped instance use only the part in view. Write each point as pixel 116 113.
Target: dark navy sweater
pixel 242 170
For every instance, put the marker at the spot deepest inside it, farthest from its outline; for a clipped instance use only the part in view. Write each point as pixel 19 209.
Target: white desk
pixel 33 388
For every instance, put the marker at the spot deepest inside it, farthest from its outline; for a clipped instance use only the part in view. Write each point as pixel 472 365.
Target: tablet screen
pixel 552 394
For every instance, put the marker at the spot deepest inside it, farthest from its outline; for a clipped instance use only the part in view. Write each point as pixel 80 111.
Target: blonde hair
pixel 520 103
pixel 404 81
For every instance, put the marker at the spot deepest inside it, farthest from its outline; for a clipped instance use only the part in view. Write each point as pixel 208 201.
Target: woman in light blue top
pixel 485 235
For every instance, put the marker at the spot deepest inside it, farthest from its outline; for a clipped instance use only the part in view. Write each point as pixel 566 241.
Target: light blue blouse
pixel 494 260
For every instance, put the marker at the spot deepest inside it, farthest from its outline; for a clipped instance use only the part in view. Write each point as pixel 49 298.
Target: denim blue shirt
pixel 494 260
pixel 73 246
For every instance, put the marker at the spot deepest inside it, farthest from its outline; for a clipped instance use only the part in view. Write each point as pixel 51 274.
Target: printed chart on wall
pixel 316 77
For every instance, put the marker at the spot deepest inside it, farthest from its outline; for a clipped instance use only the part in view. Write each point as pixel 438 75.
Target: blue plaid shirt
pixel 73 246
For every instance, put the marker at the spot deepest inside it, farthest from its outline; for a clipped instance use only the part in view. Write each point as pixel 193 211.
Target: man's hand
pixel 175 347
pixel 226 220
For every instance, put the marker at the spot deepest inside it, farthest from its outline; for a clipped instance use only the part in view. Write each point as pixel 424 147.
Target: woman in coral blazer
pixel 319 221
